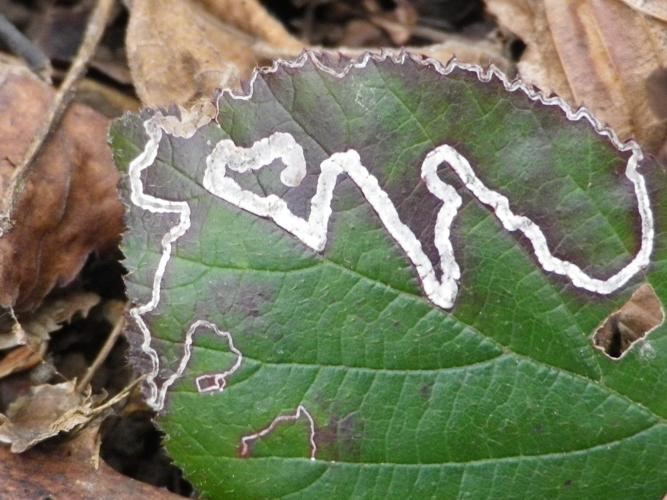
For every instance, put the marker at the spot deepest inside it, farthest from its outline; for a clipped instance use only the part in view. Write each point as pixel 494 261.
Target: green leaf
pixel 414 335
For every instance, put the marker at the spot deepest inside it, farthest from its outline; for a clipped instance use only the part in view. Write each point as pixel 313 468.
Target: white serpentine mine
pixel 313 231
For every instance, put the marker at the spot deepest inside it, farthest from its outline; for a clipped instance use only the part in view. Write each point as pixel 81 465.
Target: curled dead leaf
pixel 47 410
pixel 57 311
pixel 69 208
pixel 44 412
pixel 642 314
pixel 32 331
pixel 179 52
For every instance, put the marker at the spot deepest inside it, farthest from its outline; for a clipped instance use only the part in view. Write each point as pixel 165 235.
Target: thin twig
pixel 120 396
pixel 21 46
pixel 102 355
pixel 91 39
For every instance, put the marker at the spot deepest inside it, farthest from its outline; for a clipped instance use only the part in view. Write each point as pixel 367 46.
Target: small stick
pixel 21 45
pixel 120 396
pixel 102 355
pixel 91 39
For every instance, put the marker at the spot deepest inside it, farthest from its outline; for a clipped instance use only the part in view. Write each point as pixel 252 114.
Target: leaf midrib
pixel 478 461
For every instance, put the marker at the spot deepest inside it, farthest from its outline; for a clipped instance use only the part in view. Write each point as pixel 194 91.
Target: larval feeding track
pixel 300 412
pixel 313 231
pixel 186 128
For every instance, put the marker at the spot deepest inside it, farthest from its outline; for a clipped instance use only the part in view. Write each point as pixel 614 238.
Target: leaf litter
pixel 596 53
pixel 70 468
pixel 32 332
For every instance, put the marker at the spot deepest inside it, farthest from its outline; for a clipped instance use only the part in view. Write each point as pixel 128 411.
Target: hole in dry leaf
pixel 639 316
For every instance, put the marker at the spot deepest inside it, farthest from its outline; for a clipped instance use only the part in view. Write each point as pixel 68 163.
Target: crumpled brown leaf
pixel 597 53
pixel 32 332
pixel 70 469
pixel 179 52
pixel 44 412
pixel 51 316
pixel 70 206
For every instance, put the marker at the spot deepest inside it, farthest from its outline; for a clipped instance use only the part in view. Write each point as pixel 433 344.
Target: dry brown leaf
pixel 32 332
pixel 44 412
pixel 22 358
pixel 11 333
pixel 51 315
pixel 57 311
pixel 70 207
pixel 655 8
pixel 251 16
pixel 179 52
pixel 640 315
pixel 70 469
pixel 597 53
pixel 482 52
pixel 539 63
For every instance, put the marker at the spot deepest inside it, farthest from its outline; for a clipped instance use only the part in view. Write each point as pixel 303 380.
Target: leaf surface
pixel 287 365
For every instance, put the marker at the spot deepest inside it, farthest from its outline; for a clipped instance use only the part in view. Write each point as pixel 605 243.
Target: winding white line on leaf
pixel 445 290
pixel 280 419
pixel 184 128
pixel 313 231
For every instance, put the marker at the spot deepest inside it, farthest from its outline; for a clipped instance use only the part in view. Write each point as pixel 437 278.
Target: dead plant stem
pixel 102 355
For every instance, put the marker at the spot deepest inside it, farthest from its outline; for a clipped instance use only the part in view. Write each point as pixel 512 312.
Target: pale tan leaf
pixel 251 17
pixel 606 51
pixel 654 8
pixel 539 64
pixel 178 52
pixel 44 412
pixel 57 311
